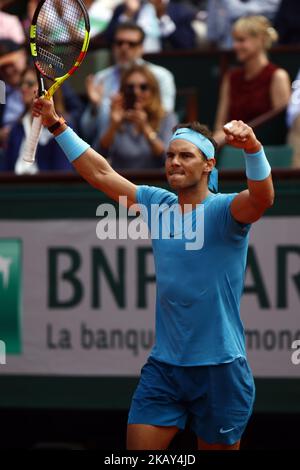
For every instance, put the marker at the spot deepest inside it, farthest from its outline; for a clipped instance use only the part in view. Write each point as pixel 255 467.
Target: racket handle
pixel 32 140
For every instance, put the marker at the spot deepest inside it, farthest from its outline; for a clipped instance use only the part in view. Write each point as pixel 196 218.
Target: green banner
pixel 10 294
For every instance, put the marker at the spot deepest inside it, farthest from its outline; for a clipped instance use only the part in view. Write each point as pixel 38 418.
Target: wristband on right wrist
pixel 71 144
pixel 257 165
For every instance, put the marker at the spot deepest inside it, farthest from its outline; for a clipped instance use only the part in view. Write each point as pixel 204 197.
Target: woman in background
pixel 258 86
pixel 48 156
pixel 139 128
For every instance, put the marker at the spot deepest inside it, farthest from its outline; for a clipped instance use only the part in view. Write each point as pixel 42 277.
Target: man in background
pixel 127 51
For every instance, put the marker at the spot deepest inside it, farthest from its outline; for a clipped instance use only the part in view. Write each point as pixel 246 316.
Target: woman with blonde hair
pixel 139 128
pixel 258 86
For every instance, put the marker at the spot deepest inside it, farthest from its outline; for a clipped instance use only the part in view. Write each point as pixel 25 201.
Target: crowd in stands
pixel 128 110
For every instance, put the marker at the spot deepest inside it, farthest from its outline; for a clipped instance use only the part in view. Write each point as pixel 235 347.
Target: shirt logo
pixel 224 431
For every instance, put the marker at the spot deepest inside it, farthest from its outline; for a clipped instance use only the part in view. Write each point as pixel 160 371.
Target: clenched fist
pixel 240 135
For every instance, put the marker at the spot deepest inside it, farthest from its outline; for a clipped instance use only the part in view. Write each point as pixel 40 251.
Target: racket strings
pixel 61 30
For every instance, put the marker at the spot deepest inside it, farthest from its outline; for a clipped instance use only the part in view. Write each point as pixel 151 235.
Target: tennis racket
pixel 59 39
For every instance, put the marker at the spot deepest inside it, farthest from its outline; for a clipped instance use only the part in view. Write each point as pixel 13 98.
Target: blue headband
pixel 203 144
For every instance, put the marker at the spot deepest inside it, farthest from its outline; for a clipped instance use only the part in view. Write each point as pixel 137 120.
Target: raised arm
pixel 92 166
pixel 249 205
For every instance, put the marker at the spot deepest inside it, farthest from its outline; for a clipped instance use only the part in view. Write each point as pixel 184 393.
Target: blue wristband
pixel 72 145
pixel 257 165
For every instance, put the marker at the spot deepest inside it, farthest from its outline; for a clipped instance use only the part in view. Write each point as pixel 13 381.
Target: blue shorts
pixel 217 399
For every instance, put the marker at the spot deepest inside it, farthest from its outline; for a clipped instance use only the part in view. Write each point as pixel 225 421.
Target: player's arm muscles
pixel 92 166
pixel 249 205
pixel 96 170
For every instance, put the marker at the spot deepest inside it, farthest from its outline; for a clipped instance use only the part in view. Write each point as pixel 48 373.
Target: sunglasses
pixel 131 87
pixel 131 44
pixel 29 83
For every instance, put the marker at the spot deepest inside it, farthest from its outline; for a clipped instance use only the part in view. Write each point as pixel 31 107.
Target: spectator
pixel 127 50
pixel 293 121
pixel 12 65
pixel 287 22
pixel 143 14
pixel 256 87
pixel 49 156
pixel 175 23
pixel 223 13
pixel 11 28
pixel 139 128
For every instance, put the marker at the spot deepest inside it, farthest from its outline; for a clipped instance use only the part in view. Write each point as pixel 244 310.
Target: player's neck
pixel 192 196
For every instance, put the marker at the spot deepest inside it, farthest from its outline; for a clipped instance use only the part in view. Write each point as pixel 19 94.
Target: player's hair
pixel 257 25
pixel 154 108
pixel 130 26
pixel 198 127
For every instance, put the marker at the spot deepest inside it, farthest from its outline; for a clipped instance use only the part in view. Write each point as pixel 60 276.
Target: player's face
pixel 127 47
pixel 246 46
pixel 185 165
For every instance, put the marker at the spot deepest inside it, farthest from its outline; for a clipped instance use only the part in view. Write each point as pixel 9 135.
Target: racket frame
pixel 58 81
pixel 33 138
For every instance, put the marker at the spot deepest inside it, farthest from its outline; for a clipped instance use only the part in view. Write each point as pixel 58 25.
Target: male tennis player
pixel 198 367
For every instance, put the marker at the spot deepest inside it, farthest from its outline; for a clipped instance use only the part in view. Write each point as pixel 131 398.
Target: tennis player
pixel 197 369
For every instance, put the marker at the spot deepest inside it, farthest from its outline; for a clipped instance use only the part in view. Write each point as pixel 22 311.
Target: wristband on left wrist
pixel 257 165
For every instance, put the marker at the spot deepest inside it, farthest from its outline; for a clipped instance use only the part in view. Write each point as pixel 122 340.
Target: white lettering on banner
pixel 92 308
pixel 2 353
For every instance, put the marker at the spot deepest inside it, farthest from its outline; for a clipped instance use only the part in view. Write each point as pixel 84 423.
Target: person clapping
pixel 139 128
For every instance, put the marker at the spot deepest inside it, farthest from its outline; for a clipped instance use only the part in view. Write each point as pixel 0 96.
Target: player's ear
pixel 209 164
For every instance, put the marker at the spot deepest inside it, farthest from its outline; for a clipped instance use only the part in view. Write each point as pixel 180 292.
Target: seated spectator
pixel 12 65
pixel 49 156
pixel 258 86
pixel 223 13
pixel 11 28
pixel 287 22
pixel 139 128
pixel 175 24
pixel 143 14
pixel 127 51
pixel 293 121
